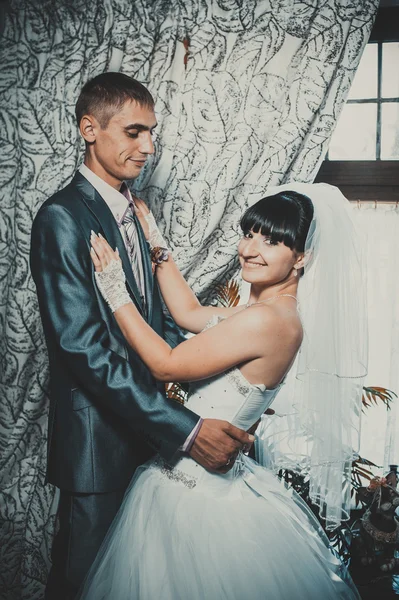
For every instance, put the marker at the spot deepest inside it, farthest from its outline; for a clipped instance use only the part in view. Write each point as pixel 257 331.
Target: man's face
pixel 120 151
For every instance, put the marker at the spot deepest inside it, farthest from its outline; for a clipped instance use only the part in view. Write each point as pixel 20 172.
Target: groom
pixel 107 414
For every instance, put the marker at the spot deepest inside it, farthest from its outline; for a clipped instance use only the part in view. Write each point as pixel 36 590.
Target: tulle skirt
pixel 243 535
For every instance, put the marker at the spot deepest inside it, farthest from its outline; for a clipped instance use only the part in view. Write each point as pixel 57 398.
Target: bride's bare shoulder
pixel 269 318
pixel 281 322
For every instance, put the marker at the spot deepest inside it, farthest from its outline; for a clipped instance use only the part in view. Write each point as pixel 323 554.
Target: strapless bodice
pixel 229 396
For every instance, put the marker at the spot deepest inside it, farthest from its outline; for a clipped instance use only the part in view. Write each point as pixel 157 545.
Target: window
pixel 368 128
pixel 363 155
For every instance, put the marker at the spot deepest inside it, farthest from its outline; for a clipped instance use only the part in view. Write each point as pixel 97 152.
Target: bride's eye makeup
pixel 270 242
pixel 248 235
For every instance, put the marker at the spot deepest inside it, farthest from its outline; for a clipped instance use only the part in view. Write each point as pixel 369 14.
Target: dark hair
pixel 284 217
pixel 104 95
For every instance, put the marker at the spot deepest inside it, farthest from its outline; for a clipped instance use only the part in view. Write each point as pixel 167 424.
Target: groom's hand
pixel 255 426
pixel 218 443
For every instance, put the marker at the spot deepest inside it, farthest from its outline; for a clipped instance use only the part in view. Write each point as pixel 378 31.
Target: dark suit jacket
pixel 107 413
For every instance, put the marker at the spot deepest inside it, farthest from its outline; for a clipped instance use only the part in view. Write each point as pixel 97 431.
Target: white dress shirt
pixel 117 202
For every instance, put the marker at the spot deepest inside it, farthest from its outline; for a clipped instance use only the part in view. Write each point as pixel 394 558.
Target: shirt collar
pixel 117 202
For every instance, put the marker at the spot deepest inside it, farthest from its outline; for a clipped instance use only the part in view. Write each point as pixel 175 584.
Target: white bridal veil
pixel 317 423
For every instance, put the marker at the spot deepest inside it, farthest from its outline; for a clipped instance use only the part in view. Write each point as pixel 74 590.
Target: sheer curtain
pixel 380 427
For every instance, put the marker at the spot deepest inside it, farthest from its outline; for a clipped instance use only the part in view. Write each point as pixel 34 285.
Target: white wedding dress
pixel 183 533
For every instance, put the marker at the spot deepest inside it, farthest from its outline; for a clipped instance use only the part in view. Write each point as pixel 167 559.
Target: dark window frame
pixel 374 180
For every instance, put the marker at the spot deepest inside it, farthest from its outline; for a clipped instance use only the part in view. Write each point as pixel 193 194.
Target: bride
pixel 183 532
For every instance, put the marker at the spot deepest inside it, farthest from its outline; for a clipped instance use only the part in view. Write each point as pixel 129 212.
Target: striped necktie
pixel 130 235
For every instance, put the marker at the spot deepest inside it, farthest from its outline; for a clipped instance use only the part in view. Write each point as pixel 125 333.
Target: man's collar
pixel 116 201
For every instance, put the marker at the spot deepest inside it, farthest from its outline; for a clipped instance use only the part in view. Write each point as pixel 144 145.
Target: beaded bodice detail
pixel 230 396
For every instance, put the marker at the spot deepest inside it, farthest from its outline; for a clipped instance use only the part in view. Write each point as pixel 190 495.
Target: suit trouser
pixel 84 519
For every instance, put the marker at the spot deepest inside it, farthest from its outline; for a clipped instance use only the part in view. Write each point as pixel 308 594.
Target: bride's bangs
pixel 276 217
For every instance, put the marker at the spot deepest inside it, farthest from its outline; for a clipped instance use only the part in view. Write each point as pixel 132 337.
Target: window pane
pixel 365 82
pixel 390 70
pixel 390 131
pixel 355 135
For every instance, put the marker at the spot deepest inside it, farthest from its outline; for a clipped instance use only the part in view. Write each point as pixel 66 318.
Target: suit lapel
pixel 104 216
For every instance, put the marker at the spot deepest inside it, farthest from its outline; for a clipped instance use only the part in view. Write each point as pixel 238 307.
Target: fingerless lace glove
pixel 112 284
pixel 155 237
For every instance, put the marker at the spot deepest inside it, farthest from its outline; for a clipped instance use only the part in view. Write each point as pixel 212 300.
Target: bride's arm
pixel 181 301
pixel 179 298
pixel 234 341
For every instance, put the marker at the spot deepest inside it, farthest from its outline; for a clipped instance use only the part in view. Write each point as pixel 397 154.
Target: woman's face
pixel 264 262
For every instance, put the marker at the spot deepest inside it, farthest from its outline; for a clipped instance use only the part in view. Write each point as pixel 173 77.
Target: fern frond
pixel 228 294
pixel 358 475
pixel 376 394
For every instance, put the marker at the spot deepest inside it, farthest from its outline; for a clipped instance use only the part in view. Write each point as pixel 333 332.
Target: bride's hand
pixel 149 225
pixel 141 206
pixel 101 252
pixel 251 430
pixel 109 274
pixel 142 211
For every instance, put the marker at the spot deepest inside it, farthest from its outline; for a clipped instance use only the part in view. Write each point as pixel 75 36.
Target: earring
pixel 295 272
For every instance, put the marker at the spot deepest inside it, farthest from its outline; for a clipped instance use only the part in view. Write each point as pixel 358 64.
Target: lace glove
pixel 155 237
pixel 112 284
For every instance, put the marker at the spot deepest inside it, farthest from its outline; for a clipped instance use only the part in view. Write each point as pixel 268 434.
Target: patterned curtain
pixel 247 95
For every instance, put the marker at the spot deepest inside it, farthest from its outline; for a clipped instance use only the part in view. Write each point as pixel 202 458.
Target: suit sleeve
pixel 173 335
pixel 71 315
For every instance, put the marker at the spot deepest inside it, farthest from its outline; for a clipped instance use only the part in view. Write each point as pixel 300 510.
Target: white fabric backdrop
pixel 380 427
